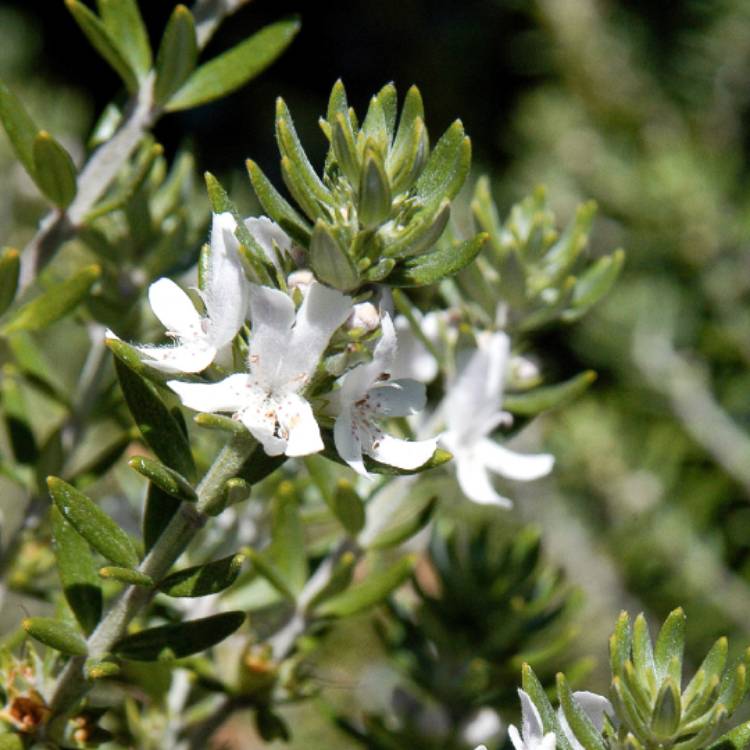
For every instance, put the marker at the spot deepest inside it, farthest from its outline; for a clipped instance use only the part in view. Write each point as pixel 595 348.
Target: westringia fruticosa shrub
pixel 201 518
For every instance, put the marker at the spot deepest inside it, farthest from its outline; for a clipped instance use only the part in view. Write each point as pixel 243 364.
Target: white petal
pixel 531 721
pixel 474 481
pixel 348 444
pixel 567 731
pixel 226 288
pixel 404 454
pixel 259 416
pixel 189 357
pixel 229 394
pixel 175 310
pixel 322 311
pixel 272 316
pixel 513 465
pixel 266 233
pixel 515 738
pixel 398 398
pixel 548 742
pixel 413 359
pixel 296 418
pixel 594 706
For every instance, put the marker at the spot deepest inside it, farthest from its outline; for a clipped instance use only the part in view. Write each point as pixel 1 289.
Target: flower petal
pixel 474 481
pixel 272 316
pixel 226 289
pixel 348 443
pixel 594 706
pixel 403 454
pixel 397 398
pixel 229 394
pixel 266 233
pixel 175 310
pixel 531 721
pixel 187 358
pixel 322 311
pixel 513 465
pixel 412 359
pixel 296 418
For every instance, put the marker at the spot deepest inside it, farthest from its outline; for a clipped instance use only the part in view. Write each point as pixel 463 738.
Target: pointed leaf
pixel 669 646
pixel 620 644
pixel 344 148
pixel 56 634
pixel 75 566
pixel 57 301
pixel 595 283
pixel 643 653
pixel 158 511
pixel 582 726
pixel 347 506
pixel 374 192
pixel 124 22
pixel 234 68
pixel 178 54
pixel 103 42
pixel 735 739
pixel 10 266
pixel 330 262
pixel 165 478
pixel 420 234
pixel 447 167
pixel 536 692
pixel 177 641
pixel 665 719
pixel 159 428
pixel 19 126
pixel 548 397
pixel 202 580
pixel 54 171
pixel 412 111
pixel 712 666
pixel 373 590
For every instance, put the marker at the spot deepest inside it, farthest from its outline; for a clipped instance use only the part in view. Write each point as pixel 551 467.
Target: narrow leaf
pixel 287 548
pixel 234 68
pixel 447 167
pixel 165 478
pixel 330 262
pixel 159 510
pixel 93 524
pixel 54 171
pixel 10 266
pixel 124 23
pixel 735 739
pixel 202 580
pixel 583 729
pixel 536 692
pixel 56 634
pixel 374 192
pixel 669 646
pixel 57 301
pixel 548 397
pixel 347 506
pixel 178 54
pixel 177 641
pixel 19 126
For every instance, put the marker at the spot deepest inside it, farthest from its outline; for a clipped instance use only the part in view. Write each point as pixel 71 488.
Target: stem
pixel 72 684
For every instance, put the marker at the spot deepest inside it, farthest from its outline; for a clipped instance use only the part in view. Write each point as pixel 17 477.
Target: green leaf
pixel 536 692
pixel 735 739
pixel 339 580
pixel 56 634
pixel 130 357
pixel 19 126
pixel 178 54
pixel 620 644
pixel 548 397
pixel 124 23
pixel 438 265
pixel 126 575
pixel 202 580
pixel 581 725
pixel 347 506
pixel 265 568
pixel 93 524
pixel 420 234
pixel 595 283
pixel 57 301
pixel 75 566
pixel 374 192
pixel 159 428
pixel 10 741
pixel 159 510
pixel 447 167
pixel 410 518
pixel 235 67
pixel 165 478
pixel 287 549
pixel 344 147
pixel 54 171
pixel 643 654
pixel 103 42
pixel 177 641
pixel 411 112
pixel 10 267
pixel 330 262
pixel 276 206
pixel 486 215
pixel 669 646
pixel 665 720
pixel 374 589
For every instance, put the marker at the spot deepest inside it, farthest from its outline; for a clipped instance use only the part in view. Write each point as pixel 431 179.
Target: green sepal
pixel 10 267
pixel 54 171
pixel 373 590
pixel 202 580
pixel 440 264
pixel 93 524
pixel 235 67
pixel 276 206
pixel 548 397
pixel 594 283
pixel 124 22
pixel 374 192
pixel 347 506
pixel 169 642
pixel 158 511
pixel 165 478
pixel 177 56
pixel 158 427
pixel 669 646
pixel 578 721
pixel 665 719
pixel 103 42
pixel 330 262
pixel 126 575
pixel 75 565
pixel 19 126
pixel 447 167
pixel 56 634
pixel 735 739
pixel 54 303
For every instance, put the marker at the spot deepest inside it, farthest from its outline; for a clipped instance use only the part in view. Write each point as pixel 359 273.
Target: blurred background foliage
pixel 641 106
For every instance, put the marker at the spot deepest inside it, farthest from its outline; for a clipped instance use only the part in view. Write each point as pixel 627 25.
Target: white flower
pixel 267 234
pixel 532 736
pixel 483 725
pixel 594 706
pixel 198 339
pixel 471 411
pixel 284 352
pixel 365 397
pixel 413 360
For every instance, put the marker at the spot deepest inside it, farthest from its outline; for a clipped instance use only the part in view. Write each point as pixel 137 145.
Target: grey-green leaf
pixel 58 300
pixel 669 646
pixel 578 721
pixel 125 24
pixel 54 171
pixel 177 641
pixel 447 167
pixel 202 580
pixel 56 634
pixel 172 482
pixel 178 54
pixel 330 262
pixel 548 397
pixel 234 68
pixel 93 524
